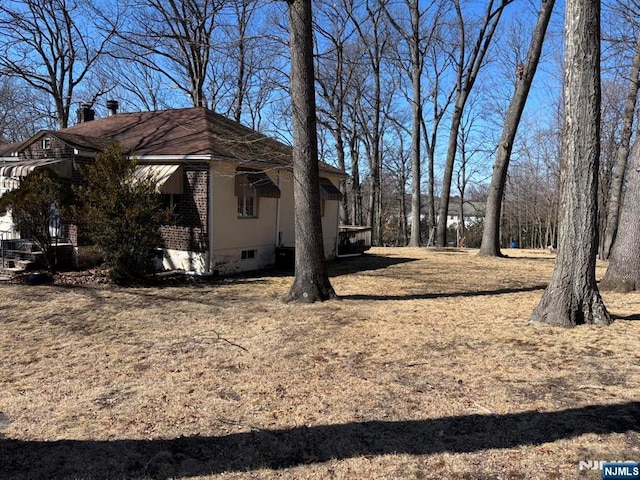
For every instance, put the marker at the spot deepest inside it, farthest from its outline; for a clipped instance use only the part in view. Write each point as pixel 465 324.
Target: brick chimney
pixel 86 113
pixel 112 107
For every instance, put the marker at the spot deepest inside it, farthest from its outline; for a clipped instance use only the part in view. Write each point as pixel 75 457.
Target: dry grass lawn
pixel 425 369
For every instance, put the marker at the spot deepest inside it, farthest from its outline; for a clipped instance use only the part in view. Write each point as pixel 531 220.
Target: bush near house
pixel 35 207
pixel 123 215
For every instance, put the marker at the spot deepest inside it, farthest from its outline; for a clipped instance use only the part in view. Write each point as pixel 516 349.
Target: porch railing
pixel 353 240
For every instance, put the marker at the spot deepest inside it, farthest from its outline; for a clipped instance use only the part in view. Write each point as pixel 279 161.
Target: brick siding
pixel 190 232
pixel 57 149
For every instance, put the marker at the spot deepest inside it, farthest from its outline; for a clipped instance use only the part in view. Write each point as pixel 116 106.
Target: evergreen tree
pixel 123 215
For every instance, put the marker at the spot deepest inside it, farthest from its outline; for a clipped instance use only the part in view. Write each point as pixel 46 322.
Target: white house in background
pixel 473 212
pixel 231 188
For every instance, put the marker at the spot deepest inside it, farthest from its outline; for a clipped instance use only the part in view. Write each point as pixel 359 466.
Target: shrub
pixel 34 206
pixel 123 215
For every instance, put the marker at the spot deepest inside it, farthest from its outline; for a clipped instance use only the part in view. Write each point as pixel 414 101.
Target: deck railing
pixel 353 240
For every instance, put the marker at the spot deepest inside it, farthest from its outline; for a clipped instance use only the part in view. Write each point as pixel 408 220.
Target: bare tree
pixel 530 204
pixel 335 75
pixel 617 181
pixel 469 149
pixel 138 87
pixel 438 61
pixel 623 273
pixel 52 45
pixel 524 74
pixel 374 35
pixel 467 69
pixel 174 39
pixel 354 141
pixel 311 282
pixel 19 117
pixel 244 65
pixel 412 35
pixel 572 296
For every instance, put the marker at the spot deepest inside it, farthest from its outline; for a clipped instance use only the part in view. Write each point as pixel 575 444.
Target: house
pixel 230 187
pixel 473 212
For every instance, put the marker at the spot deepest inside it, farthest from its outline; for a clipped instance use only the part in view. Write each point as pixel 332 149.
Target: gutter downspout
pixel 278 239
pixel 210 218
pixel 337 227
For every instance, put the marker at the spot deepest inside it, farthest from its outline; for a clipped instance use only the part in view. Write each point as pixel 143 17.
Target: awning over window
pixel 328 190
pixel 22 168
pixel 168 177
pixel 260 181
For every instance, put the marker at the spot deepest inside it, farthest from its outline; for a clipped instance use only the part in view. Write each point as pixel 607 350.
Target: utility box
pixel 286 259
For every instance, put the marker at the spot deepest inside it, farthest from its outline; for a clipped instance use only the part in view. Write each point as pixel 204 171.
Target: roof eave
pixel 173 158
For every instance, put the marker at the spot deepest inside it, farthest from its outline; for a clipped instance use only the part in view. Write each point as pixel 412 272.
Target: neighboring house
pixel 230 187
pixel 473 212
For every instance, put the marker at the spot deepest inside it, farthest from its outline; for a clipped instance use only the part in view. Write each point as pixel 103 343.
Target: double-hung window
pixel 247 203
pixel 250 186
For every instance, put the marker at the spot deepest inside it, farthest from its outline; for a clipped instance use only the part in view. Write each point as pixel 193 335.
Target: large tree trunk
pixel 572 297
pixel 356 191
pixel 443 208
pixel 617 182
pixel 311 282
pixel 623 273
pixel 416 74
pixel 491 235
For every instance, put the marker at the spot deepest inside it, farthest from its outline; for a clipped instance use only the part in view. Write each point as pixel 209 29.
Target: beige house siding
pixel 330 227
pixel 274 225
pixel 287 219
pixel 233 235
pixel 287 223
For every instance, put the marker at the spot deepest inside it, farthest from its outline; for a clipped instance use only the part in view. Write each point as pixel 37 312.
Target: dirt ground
pixel 426 368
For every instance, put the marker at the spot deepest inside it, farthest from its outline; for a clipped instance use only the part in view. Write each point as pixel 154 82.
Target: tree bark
pixel 623 273
pixel 416 107
pixel 356 191
pixel 311 282
pixel 572 297
pixel 491 234
pixel 617 182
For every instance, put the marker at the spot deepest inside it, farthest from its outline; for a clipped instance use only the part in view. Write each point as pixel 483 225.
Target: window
pixel 247 203
pixel 250 186
pixel 46 143
pixel 328 191
pixel 170 200
pixel 248 254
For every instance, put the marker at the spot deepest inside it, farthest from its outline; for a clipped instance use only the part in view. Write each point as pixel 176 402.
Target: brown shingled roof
pixel 74 140
pixel 187 131
pixel 7 149
pixel 179 132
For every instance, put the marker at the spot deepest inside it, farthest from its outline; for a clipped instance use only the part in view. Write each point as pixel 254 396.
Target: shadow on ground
pixel 364 263
pixel 278 449
pixel 633 317
pixel 427 295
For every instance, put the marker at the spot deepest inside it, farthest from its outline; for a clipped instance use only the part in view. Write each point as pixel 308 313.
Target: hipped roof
pixel 176 132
